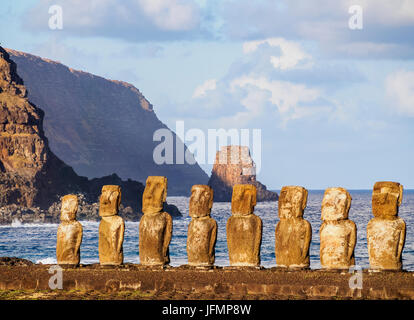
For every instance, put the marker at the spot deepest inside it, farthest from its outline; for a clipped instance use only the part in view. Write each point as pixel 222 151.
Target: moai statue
pixel 293 233
pixel 202 231
pixel 337 232
pixel 111 228
pixel 69 234
pixel 244 229
pixel 386 231
pixel 155 227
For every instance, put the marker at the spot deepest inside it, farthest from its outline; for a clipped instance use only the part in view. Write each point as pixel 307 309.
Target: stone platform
pixel 132 281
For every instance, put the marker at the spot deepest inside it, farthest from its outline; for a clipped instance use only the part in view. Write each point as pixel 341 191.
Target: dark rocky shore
pixel 87 212
pixel 19 279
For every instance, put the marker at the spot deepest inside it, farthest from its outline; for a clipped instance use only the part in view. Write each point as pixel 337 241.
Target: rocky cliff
pixel 99 126
pixel 234 165
pixel 32 177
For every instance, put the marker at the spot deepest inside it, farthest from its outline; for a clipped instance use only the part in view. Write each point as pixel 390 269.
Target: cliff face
pixel 99 126
pixel 25 159
pixel 31 175
pixel 233 165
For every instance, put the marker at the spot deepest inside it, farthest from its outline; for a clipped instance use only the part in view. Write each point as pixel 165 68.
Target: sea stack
pixel 386 231
pixel 234 165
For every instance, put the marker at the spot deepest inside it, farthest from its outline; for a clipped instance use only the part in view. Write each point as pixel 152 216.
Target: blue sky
pixel 335 105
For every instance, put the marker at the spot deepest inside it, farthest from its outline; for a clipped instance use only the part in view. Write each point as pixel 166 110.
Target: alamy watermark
pixel 202 148
pixel 56 280
pixel 355 281
pixel 356 21
pixel 56 19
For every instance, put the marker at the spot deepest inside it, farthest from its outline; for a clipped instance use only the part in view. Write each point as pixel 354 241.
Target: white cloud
pixel 201 90
pixel 172 15
pixel 386 22
pixel 254 91
pixel 290 99
pixel 392 13
pixel 291 52
pixel 399 88
pixel 137 20
pixel 387 12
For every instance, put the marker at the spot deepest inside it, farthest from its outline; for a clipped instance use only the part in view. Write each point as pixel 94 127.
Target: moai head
pixel 243 199
pixel 109 201
pixel 155 194
pixel 336 204
pixel 292 202
pixel 69 208
pixel 201 200
pixel 386 198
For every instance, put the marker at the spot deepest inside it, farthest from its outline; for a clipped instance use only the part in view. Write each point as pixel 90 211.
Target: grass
pixel 73 295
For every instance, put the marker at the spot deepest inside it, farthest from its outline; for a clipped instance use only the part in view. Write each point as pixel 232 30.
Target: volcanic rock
pixel 99 126
pixel 13 261
pixel 234 165
pixel 32 178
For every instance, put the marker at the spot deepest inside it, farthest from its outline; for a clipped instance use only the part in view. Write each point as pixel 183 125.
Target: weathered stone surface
pixel 155 227
pixel 386 231
pixel 111 227
pixel 69 234
pixel 233 165
pixel 109 201
pixel 114 117
pixel 244 229
pixel 93 282
pixel 202 230
pixel 337 232
pixel 293 233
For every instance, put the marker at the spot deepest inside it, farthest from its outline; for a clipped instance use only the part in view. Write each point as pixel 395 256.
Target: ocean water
pixel 37 242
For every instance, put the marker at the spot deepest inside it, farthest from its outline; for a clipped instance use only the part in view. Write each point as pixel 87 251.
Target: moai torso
pixel 386 231
pixel 337 232
pixel 69 234
pixel 202 231
pixel 155 227
pixel 244 229
pixel 111 227
pixel 293 233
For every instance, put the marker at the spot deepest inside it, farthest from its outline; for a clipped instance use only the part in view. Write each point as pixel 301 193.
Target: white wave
pixel 175 261
pixel 89 261
pixel 48 260
pixel 86 223
pixel 134 224
pixel 16 223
